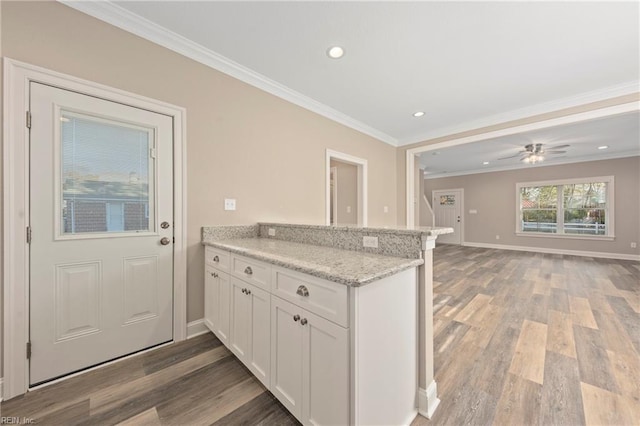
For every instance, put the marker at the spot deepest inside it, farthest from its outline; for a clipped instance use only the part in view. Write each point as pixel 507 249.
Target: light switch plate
pixel 370 242
pixel 229 203
pixel 272 232
pixel 473 211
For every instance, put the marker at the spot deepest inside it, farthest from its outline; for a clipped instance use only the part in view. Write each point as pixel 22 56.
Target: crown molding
pixel 546 163
pixel 120 17
pixel 610 92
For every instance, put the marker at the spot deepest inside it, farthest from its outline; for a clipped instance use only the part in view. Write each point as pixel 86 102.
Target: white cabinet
pixel 332 354
pixel 250 332
pixel 217 296
pixel 309 364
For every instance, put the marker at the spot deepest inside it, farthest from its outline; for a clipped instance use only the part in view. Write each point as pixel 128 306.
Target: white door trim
pixel 573 118
pixel 361 164
pixel 461 205
pixel 15 163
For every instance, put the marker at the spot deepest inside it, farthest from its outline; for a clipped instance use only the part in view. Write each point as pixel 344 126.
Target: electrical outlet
pixel 348 209
pixel 272 232
pixel 386 209
pixel 473 211
pixel 497 237
pixel 229 204
pixel 634 245
pixel 370 242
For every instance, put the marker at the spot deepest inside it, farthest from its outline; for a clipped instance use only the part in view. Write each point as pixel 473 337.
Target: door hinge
pixel 28 119
pixel 28 235
pixel 152 152
pixel 28 350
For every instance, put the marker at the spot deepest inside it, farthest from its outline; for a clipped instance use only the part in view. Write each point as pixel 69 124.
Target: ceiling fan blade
pixel 555 152
pixel 513 156
pixel 559 146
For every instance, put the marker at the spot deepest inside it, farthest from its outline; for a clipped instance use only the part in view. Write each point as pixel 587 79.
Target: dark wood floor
pixel 520 339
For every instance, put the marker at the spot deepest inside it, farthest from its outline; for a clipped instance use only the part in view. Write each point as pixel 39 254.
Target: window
pixel 578 208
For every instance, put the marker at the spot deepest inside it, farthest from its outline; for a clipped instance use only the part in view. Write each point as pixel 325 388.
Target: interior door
pixel 101 215
pixel 447 208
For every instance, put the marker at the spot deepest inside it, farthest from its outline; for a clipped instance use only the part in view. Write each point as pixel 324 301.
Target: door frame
pixel 462 220
pixel 16 171
pixel 361 165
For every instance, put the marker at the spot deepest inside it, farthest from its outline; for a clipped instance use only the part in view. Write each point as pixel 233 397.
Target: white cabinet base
pixel 384 345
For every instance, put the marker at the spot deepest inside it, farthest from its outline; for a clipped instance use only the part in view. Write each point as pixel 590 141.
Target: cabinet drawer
pixel 322 297
pixel 217 258
pixel 252 271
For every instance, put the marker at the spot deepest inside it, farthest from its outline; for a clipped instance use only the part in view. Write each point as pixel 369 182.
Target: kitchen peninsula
pixel 335 321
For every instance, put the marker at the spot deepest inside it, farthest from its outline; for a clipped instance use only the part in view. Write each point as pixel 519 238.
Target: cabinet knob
pixel 296 317
pixel 248 270
pixel 248 292
pixel 303 291
pixel 244 290
pixel 303 321
pixel 214 274
pixel 216 259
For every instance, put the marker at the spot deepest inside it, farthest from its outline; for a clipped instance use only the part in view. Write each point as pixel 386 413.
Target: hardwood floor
pixel 520 339
pixel 535 339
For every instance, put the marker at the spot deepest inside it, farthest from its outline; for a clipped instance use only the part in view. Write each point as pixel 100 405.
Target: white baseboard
pixel 428 400
pixel 196 328
pixel 603 255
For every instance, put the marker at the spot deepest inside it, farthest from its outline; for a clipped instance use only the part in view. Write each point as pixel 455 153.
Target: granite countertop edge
pixel 301 266
pixel 423 230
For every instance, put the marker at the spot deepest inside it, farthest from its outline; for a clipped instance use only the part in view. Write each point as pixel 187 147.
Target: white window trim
pixel 15 253
pixel 609 180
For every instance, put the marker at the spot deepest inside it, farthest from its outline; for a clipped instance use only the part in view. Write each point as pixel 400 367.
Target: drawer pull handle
pixel 303 291
pixel 303 321
pixel 296 317
pixel 216 259
pixel 214 275
pixel 248 270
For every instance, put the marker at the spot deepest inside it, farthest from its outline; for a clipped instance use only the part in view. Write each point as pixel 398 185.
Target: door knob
pixel 164 241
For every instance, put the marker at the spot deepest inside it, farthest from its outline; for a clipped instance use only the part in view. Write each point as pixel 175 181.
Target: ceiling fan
pixel 535 153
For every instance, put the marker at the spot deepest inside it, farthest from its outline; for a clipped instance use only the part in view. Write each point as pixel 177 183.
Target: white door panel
pixel 447 209
pixel 101 182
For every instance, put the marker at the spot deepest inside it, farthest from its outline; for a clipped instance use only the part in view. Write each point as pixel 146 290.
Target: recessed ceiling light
pixel 418 113
pixel 335 52
pixel 485 163
pixel 603 147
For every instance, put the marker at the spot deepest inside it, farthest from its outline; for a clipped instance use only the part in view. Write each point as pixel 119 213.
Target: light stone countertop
pixel 347 267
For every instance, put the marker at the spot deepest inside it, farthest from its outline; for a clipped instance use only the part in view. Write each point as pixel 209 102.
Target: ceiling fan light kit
pixel 535 153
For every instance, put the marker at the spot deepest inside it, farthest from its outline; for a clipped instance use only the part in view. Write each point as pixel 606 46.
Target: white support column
pixel 427 389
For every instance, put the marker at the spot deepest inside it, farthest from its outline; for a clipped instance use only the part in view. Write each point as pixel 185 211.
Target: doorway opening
pixel 346 190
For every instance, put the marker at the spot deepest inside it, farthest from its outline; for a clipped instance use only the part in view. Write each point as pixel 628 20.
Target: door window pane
pixel 107 176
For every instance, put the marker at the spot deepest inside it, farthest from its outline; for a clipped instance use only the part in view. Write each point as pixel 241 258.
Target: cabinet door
pixel 222 304
pixel 286 355
pixel 240 335
pixel 210 298
pixel 325 372
pixel 259 355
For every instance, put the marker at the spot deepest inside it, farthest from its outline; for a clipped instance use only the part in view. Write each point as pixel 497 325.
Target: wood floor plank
pixel 146 418
pixel 519 403
pixel 581 313
pixel 602 407
pixel 626 369
pixel 593 361
pixel 528 360
pixel 477 304
pixel 560 334
pixel 559 300
pixel 629 319
pixel 561 401
pixel 106 399
pixel 598 302
pixel 632 298
pixel 261 410
pixel 218 407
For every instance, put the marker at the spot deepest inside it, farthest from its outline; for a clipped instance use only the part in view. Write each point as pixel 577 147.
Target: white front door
pixel 447 208
pixel 101 215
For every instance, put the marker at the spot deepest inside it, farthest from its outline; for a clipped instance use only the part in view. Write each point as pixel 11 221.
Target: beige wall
pixel 242 143
pixel 493 195
pixel 347 188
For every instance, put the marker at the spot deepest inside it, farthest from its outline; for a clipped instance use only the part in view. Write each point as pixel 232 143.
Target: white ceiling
pixel 620 133
pixel 465 64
